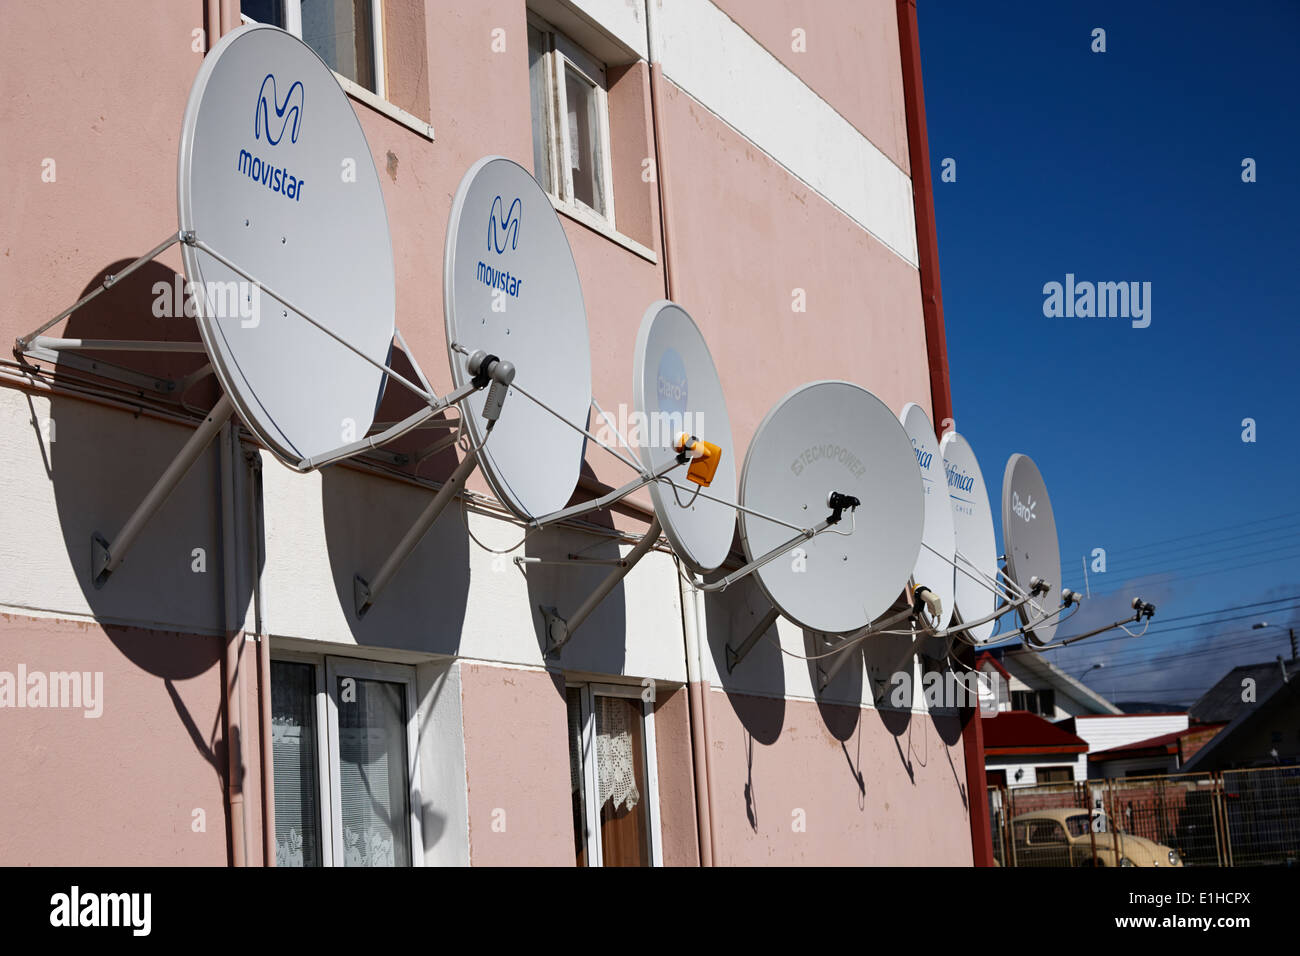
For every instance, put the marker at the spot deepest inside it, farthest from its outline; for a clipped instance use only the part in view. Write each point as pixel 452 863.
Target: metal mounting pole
pixel 737 655
pixel 105 556
pixel 108 282
pixel 559 629
pixel 364 592
pixel 807 535
pixel 827 674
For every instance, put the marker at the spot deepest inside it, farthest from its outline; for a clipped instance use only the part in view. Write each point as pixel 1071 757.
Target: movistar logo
pixel 959 479
pixel 503 230
pixel 923 458
pixel 290 108
pixel 273 175
pixel 1022 510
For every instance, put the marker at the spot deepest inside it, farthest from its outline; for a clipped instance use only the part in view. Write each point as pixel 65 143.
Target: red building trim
pixel 927 245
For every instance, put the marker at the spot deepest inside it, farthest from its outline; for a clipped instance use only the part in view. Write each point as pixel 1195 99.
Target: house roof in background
pixel 1164 744
pixel 1222 703
pixel 1020 732
pixel 1048 673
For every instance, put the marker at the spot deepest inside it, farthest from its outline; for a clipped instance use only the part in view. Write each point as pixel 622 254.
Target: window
pixel 612 776
pixel 570 110
pixel 1053 774
pixel 1040 702
pixel 1045 832
pixel 343 744
pixel 348 34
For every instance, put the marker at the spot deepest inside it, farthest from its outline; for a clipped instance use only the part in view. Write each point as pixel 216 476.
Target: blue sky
pixel 1127 166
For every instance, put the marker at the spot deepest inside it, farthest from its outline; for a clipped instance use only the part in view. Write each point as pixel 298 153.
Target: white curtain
pixel 615 759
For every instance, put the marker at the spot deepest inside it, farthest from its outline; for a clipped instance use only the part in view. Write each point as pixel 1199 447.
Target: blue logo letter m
pixel 508 228
pixel 262 116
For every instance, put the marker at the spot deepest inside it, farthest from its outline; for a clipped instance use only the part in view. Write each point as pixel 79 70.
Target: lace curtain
pixel 615 757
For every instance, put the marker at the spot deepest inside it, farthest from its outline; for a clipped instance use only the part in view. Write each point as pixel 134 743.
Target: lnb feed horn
pixel 1142 612
pixel 289 268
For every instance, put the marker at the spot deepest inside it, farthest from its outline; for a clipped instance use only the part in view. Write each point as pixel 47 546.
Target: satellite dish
pixel 675 390
pixel 821 438
pixel 266 134
pixel 510 288
pixel 1032 549
pixel 934 564
pixel 972 520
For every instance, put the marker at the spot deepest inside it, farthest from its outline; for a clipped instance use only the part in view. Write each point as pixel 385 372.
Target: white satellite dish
pixel 676 390
pixel 510 288
pixel 935 562
pixel 977 550
pixel 823 439
pixel 285 240
pixel 266 136
pixel 1032 549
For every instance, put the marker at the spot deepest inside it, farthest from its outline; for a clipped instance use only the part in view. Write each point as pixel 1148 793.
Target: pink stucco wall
pixel 121 788
pixel 516 767
pixel 850 57
pixel 797 800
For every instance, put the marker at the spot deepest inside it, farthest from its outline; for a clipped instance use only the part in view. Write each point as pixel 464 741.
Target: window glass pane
pixel 294 759
pixel 264 11
pixel 572 698
pixel 585 150
pixel 372 772
pixel 342 32
pixel 539 86
pixel 620 766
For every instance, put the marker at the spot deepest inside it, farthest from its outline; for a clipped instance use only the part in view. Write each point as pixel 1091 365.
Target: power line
pixel 1219 559
pixel 1200 534
pixel 1216 549
pixel 1188 577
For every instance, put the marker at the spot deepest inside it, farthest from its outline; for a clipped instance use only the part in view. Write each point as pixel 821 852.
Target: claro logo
pixel 1023 511
pixel 503 234
pixel 292 106
pixel 274 119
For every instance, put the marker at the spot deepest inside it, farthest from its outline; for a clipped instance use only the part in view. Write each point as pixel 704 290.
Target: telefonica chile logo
pixel 958 478
pixel 292 104
pixel 923 457
pixel 276 178
pixel 503 234
pixel 1023 511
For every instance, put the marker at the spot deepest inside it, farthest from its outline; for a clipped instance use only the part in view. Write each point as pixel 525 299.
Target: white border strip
pixel 714 60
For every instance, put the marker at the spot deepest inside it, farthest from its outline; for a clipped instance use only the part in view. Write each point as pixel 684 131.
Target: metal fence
pixel 1232 818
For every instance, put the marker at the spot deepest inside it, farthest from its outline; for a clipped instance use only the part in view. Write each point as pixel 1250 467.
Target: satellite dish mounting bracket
pixel 107 556
pixel 560 629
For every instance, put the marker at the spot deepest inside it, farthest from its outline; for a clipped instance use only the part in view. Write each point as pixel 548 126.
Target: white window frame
pixel 293 24
pixel 562 53
pixel 376 99
pixel 327 670
pixel 587 692
pixel 323 800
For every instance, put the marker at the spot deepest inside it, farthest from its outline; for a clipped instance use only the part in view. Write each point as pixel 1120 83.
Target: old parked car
pixel 1068 836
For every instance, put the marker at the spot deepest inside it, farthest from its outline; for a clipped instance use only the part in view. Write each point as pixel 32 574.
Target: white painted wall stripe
pixel 721 66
